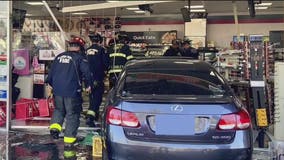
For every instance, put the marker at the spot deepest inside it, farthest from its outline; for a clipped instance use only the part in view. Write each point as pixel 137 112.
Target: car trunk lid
pixel 179 119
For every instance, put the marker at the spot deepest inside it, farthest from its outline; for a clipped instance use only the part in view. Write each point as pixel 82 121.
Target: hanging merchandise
pixel 21 62
pixel 27 25
pixel 46 107
pixel 48 54
pixel 108 27
pixel 117 23
pixel 40 69
pixel 3 80
pixel 26 109
pixel 39 79
pixel 92 25
pixel 80 25
pixel 69 25
pixel 2 115
pixel 35 62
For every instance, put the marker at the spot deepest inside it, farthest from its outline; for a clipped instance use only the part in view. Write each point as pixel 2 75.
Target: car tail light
pixel 122 118
pixel 236 121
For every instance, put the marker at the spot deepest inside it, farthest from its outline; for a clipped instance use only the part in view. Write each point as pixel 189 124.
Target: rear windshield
pixel 174 82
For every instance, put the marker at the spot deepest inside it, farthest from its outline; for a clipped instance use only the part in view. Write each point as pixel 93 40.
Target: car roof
pixel 167 63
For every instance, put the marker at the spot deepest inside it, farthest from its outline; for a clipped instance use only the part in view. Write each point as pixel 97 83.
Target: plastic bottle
pixel 97 145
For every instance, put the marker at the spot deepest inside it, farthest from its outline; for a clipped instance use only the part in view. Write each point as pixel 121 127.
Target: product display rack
pixel 269 77
pixel 279 101
pixel 235 66
pixel 156 50
pixel 232 64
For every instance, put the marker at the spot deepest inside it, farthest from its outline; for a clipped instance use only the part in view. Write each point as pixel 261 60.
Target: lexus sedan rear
pixel 174 109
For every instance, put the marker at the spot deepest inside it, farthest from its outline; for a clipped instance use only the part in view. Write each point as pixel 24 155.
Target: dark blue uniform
pixel 190 52
pixel 99 63
pixel 66 73
pixel 173 52
pixel 65 77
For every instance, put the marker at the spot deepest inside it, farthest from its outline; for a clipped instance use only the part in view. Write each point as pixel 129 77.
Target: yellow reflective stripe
pixel 56 126
pixel 114 70
pixel 69 139
pixel 117 55
pixel 92 113
pixel 129 57
pixel 69 154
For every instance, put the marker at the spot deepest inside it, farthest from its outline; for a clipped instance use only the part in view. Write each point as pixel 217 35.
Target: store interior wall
pixel 222 34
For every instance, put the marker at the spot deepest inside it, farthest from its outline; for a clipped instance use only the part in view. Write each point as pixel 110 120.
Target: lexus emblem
pixel 177 108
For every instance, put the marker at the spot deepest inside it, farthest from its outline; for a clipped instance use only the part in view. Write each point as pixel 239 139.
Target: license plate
pixel 175 125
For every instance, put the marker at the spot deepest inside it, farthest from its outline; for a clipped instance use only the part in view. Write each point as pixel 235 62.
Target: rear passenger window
pixel 173 83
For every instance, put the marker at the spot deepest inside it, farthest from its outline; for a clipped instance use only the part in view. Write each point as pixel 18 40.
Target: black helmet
pixel 123 39
pixel 96 38
pixel 186 41
pixel 176 42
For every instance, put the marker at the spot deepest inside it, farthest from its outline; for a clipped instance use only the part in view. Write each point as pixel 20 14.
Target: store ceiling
pixel 160 9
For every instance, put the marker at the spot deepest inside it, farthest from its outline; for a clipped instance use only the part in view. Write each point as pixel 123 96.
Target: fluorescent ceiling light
pixel 34 3
pixel 263 4
pixel 28 15
pixel 261 7
pixel 133 9
pixel 197 10
pixel 195 6
pixel 112 1
pixel 98 6
pixel 139 11
pixel 80 13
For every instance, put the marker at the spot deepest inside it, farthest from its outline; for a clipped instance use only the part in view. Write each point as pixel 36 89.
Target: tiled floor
pixel 37 146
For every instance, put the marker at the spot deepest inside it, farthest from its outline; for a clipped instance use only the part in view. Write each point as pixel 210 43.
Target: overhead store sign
pixel 152 37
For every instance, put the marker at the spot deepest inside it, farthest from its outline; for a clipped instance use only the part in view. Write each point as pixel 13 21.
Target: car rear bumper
pixel 121 148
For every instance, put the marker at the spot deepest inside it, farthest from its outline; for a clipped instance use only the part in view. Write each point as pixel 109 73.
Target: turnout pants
pixel 96 97
pixel 112 79
pixel 69 108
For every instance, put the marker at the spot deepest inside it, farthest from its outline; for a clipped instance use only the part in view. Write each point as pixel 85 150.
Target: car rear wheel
pixel 105 156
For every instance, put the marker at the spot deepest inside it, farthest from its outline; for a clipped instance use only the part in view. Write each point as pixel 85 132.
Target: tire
pixel 105 156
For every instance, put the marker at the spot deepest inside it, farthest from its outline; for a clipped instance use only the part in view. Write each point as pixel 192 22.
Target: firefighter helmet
pixel 176 42
pixel 77 41
pixel 123 39
pixel 96 38
pixel 186 41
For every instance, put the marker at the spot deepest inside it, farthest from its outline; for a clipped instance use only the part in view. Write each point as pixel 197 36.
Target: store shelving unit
pixel 156 50
pixel 269 77
pixel 279 101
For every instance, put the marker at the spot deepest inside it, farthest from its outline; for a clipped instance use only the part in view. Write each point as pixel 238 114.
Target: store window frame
pixel 6 15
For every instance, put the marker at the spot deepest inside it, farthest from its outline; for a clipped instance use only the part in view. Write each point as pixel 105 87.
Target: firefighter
pixel 65 78
pixel 188 51
pixel 174 50
pixel 99 63
pixel 119 55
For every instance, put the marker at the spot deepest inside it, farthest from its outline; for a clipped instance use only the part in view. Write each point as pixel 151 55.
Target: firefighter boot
pixel 90 121
pixel 54 133
pixel 69 152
